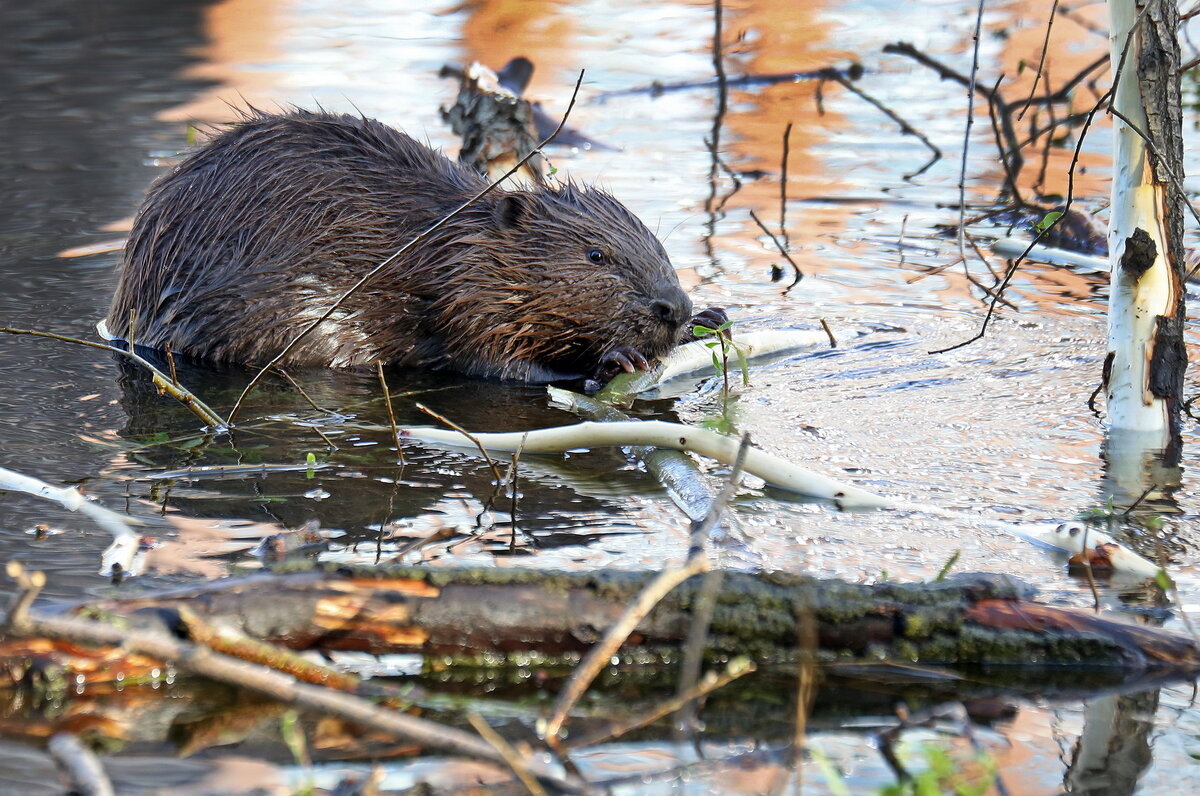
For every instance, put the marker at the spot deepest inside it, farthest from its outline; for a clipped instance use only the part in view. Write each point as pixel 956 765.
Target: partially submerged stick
pixel 774 470
pixel 71 499
pixel 164 383
pixel 675 470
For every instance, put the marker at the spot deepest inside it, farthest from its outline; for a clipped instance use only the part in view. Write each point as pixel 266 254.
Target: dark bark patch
pixel 1168 361
pixel 1139 254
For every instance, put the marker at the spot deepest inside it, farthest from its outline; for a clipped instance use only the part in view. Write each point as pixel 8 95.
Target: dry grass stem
pixel 387 401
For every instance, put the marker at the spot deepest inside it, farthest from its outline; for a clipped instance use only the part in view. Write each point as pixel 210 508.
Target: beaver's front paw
pixel 622 358
pixel 712 318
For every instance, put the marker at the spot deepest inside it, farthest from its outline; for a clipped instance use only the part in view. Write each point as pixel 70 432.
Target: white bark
pixel 1138 202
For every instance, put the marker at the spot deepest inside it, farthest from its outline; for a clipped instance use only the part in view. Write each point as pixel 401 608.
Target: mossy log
pixel 485 615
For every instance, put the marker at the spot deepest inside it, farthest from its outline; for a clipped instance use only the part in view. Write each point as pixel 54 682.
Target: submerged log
pixel 484 615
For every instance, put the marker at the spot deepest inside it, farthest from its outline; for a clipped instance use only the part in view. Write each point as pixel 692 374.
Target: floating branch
pixel 774 470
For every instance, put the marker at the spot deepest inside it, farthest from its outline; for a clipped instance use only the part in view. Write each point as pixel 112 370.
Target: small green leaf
pixel 311 461
pixel 1047 220
pixel 1163 580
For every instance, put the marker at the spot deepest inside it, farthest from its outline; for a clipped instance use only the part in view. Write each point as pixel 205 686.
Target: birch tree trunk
pixel 1146 357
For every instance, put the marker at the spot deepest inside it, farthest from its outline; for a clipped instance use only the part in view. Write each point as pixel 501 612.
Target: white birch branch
pixel 772 469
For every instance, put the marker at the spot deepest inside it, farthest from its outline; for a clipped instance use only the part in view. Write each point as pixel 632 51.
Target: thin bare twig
pixel 1160 161
pixel 905 127
pixel 483 451
pixel 387 401
pixel 1117 73
pixel 1012 269
pixel 1003 109
pixel 296 386
pixel 516 762
pixel 1041 61
pixel 780 246
pixel 783 180
pixel 962 175
pixel 367 277
pixel 711 207
pixel 709 683
pixel 171 363
pixel 1010 157
pixel 829 333
pixel 601 652
pixel 650 596
pixel 162 381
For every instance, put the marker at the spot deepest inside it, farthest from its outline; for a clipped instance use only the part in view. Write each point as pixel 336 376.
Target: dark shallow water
pixel 98 102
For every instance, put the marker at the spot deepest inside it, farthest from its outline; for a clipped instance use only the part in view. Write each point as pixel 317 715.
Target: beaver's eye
pixel 596 256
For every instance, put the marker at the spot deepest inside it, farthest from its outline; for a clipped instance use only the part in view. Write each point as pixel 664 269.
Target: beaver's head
pixel 586 275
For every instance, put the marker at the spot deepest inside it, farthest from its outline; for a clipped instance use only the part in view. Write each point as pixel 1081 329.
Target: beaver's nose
pixel 672 307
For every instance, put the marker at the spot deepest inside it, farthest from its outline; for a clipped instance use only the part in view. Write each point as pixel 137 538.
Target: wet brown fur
pixel 257 233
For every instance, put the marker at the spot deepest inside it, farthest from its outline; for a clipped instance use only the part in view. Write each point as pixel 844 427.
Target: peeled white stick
pixel 1073 538
pixel 69 498
pixel 775 471
pixel 1080 540
pixel 124 548
pixel 1015 247
pixel 697 356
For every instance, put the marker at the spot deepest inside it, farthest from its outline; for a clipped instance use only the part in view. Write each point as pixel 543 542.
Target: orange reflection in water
pixel 241 34
pixel 496 31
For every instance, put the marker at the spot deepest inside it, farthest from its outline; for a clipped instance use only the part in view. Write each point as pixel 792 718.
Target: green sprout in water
pixel 721 346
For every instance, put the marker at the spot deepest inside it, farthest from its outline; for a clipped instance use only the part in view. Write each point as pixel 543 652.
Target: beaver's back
pixel 256 233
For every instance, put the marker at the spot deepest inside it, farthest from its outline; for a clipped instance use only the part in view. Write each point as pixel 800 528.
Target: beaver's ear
pixel 512 209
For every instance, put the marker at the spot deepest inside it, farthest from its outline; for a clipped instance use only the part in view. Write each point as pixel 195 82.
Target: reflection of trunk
pixel 474 612
pixel 1146 356
pixel 1131 468
pixel 1114 748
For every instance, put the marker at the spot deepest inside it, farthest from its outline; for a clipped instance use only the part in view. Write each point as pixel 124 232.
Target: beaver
pixel 257 233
